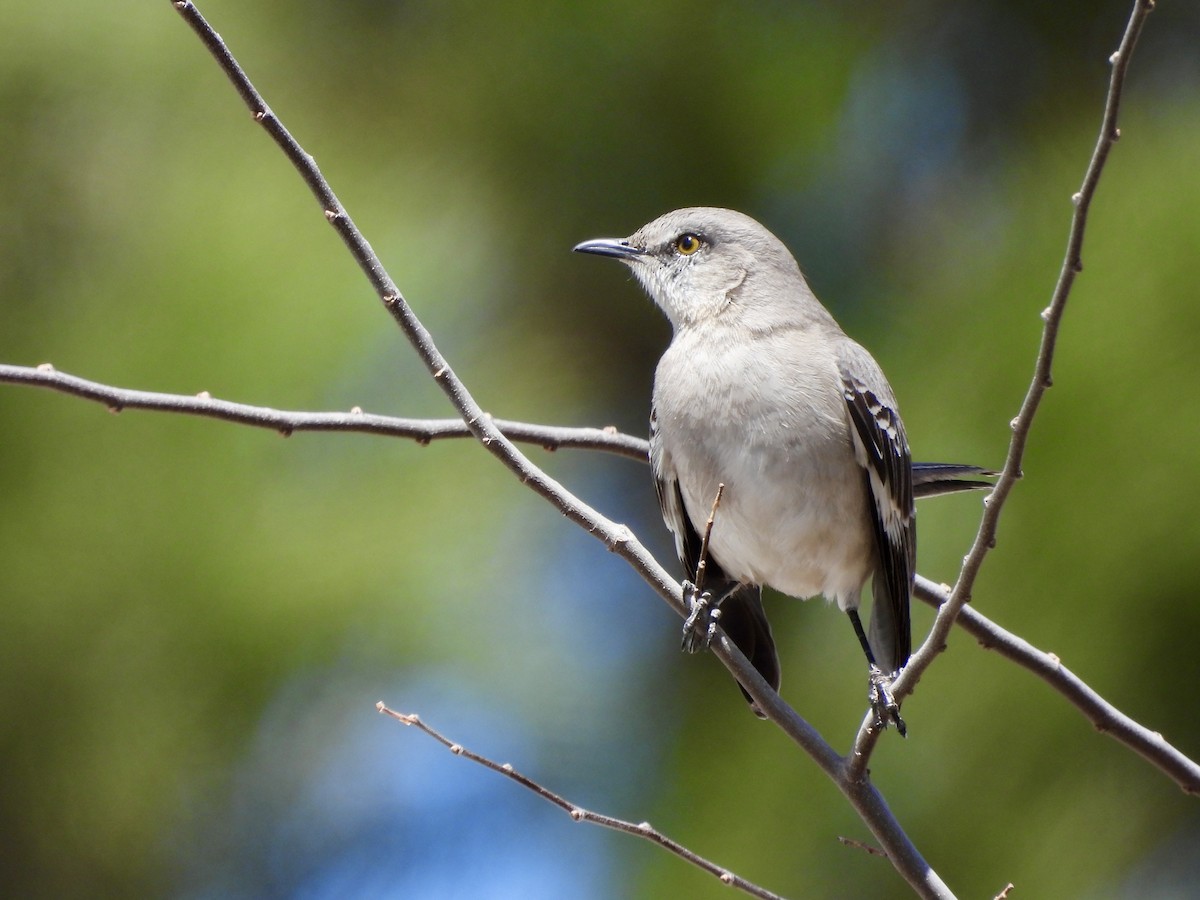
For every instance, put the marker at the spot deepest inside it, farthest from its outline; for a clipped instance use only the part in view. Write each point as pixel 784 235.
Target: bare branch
pixel 867 801
pixel 1103 715
pixel 928 481
pixel 423 431
pixel 985 538
pixel 617 538
pixel 1106 717
pixel 579 814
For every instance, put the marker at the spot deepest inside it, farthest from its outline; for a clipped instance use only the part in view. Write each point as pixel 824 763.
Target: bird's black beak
pixel 618 248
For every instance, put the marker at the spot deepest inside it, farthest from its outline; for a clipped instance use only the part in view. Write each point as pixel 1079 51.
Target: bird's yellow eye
pixel 687 244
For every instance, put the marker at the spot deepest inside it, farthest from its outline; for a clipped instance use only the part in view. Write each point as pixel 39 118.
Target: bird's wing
pixel 881 448
pixel 670 501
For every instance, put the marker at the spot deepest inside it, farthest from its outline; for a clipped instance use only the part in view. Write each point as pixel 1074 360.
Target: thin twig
pixel 578 813
pixel 702 564
pixel 985 538
pixel 1103 715
pixel 859 845
pixel 423 431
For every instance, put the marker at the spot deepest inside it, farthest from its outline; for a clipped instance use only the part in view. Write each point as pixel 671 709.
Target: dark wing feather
pixel 882 449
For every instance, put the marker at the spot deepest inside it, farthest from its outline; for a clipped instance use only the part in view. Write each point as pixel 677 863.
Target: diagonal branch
pixel 616 537
pixel 1151 745
pixel 867 801
pixel 985 538
pixel 578 813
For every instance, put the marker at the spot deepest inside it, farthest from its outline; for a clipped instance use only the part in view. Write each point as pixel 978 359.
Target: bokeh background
pixel 196 618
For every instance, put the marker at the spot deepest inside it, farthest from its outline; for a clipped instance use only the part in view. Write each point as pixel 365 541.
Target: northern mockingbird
pixel 762 392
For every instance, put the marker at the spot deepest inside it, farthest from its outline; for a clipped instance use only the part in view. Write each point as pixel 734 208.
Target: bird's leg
pixel 700 627
pixel 701 624
pixel 883 702
pixel 880 691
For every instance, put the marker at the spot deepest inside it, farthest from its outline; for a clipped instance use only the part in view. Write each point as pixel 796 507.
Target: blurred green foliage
pixel 196 618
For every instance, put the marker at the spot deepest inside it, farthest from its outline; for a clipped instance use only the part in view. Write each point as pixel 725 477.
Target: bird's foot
pixel 701 624
pixel 887 710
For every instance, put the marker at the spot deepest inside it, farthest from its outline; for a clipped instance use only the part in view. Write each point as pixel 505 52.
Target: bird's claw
pixel 701 624
pixel 883 702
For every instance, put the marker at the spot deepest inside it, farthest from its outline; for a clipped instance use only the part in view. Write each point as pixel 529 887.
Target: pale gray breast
pixel 769 423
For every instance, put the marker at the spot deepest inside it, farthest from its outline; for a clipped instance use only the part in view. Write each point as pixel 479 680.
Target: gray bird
pixel 762 392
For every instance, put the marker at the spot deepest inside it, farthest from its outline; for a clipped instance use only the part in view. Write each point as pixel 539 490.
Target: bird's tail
pixel 745 622
pixel 932 479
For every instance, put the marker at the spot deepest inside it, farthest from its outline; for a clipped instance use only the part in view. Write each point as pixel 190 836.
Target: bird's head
pixel 696 264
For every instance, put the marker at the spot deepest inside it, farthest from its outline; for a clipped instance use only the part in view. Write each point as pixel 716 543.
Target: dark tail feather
pixel 932 479
pixel 745 622
pixel 890 634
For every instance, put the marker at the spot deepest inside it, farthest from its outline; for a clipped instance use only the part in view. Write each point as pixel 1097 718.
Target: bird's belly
pixel 801 537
